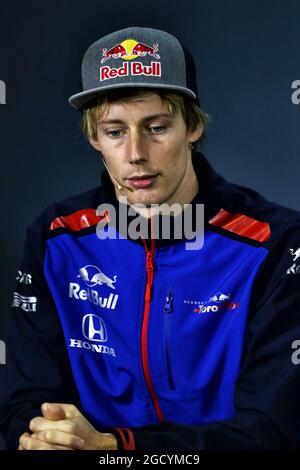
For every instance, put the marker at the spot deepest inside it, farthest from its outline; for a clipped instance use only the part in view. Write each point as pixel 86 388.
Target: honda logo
pixel 93 328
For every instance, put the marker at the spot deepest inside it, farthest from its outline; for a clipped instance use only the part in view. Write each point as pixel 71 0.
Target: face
pixel 147 151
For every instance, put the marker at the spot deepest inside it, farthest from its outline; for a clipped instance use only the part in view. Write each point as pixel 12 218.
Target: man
pixel 129 339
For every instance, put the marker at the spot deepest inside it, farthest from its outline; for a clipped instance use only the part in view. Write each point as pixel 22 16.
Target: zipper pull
pixel 149 268
pixel 149 261
pixel 150 275
pixel 168 305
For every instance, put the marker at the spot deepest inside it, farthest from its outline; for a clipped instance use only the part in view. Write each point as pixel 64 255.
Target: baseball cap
pixel 136 57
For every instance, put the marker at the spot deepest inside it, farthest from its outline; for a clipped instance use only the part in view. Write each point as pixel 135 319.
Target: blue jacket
pixel 165 347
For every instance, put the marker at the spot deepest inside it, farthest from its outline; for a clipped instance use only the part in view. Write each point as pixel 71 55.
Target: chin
pixel 147 199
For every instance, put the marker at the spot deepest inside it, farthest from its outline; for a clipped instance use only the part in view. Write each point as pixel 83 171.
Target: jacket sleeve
pixel 37 367
pixel 267 390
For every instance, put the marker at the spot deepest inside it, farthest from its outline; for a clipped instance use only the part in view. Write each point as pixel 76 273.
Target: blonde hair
pixel 173 102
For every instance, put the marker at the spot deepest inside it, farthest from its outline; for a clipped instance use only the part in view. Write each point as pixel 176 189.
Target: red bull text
pixel 132 68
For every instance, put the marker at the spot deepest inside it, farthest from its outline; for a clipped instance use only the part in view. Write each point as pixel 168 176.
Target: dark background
pixel 247 55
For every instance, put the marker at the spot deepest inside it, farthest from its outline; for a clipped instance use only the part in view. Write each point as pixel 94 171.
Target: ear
pixel 94 143
pixel 194 135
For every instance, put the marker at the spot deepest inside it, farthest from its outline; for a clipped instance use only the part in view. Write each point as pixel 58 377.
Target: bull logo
pixel 92 276
pixel 128 50
pixel 295 268
pixel 219 297
pixel 294 253
pixel 115 52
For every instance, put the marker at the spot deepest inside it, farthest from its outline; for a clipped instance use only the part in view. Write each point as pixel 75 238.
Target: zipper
pixel 147 301
pixel 168 305
pixel 168 309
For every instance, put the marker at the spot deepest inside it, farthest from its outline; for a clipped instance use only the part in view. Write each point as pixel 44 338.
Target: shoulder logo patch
pixel 78 220
pixel 242 225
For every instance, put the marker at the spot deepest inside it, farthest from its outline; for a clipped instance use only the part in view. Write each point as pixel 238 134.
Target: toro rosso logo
pixel 128 50
pixel 218 302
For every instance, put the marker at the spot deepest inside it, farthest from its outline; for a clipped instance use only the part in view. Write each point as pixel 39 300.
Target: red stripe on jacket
pixel 242 225
pixel 79 220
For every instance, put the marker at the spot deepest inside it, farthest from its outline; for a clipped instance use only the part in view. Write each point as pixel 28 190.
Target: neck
pixel 187 189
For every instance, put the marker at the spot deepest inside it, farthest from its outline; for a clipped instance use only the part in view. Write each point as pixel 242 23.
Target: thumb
pixel 53 411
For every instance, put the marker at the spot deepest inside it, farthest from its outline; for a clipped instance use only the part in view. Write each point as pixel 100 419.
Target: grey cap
pixel 135 57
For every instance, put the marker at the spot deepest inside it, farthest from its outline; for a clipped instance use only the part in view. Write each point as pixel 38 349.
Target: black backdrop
pixel 247 54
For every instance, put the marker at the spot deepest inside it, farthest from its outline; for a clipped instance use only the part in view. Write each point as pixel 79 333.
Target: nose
pixel 136 152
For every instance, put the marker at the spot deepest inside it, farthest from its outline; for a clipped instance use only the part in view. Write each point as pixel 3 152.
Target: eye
pixel 157 129
pixel 114 133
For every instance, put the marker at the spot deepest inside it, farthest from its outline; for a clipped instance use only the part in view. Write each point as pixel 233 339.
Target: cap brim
pixel 81 99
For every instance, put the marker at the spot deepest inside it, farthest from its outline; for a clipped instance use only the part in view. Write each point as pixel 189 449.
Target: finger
pixel 53 411
pixel 70 411
pixel 55 437
pixel 25 434
pixel 31 443
pixel 42 424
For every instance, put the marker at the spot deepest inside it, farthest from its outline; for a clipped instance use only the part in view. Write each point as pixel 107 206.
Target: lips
pixel 142 181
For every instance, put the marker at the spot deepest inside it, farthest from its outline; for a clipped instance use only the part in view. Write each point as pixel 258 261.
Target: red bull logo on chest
pixel 129 50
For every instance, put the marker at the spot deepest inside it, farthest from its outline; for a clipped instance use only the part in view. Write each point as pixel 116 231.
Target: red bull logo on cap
pixel 128 50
